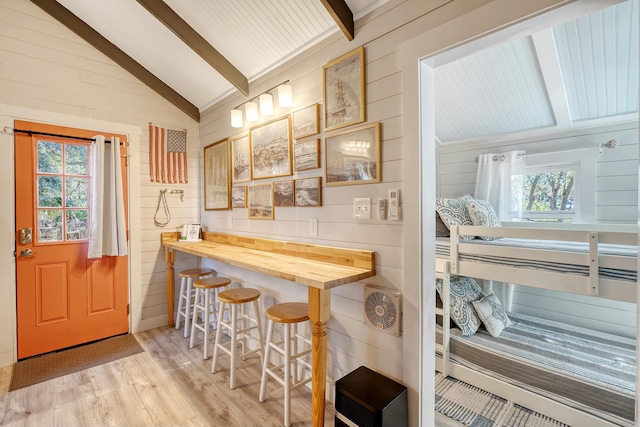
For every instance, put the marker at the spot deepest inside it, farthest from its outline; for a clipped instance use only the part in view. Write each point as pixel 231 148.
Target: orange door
pixel 64 299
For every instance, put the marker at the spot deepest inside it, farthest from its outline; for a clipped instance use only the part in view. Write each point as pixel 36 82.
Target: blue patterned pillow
pixel 464 290
pixel 481 213
pixel 454 212
pixel 492 314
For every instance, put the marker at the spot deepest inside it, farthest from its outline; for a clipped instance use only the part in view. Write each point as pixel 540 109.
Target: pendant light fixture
pixel 266 104
pixel 285 99
pixel 236 118
pixel 285 95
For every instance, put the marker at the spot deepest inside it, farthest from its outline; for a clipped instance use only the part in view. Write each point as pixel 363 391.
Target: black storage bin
pixel 365 398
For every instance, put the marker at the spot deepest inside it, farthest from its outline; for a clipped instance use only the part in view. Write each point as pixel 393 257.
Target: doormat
pixel 475 407
pixel 38 369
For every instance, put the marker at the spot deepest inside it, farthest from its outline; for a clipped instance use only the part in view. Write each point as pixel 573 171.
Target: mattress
pixel 443 243
pixel 588 370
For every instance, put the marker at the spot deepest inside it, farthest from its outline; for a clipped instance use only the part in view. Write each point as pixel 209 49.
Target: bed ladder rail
pixel 443 273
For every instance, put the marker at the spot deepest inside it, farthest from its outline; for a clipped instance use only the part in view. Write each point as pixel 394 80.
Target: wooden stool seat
pixel 211 282
pixel 206 304
pixel 240 325
pixel 186 298
pixel 289 312
pixel 239 295
pixel 294 349
pixel 195 272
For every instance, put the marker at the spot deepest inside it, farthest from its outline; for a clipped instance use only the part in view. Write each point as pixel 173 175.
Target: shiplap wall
pixel 616 203
pixel 351 343
pixel 49 74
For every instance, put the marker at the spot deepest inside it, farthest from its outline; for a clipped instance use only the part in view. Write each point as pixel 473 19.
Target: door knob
pixel 27 252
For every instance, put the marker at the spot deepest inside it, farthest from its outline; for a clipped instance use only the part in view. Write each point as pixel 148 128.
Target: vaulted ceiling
pixel 580 73
pixel 196 52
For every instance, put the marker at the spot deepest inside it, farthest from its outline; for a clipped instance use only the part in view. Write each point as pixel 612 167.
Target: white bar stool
pixel 240 333
pixel 206 305
pixel 292 350
pixel 187 295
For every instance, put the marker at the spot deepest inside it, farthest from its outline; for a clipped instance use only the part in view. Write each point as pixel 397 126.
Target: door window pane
pixel 49 157
pixel 77 224
pixel 63 184
pixel 76 190
pixel 75 159
pixel 50 225
pixel 49 191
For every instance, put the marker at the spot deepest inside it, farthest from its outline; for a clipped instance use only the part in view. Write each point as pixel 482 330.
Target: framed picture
pixel 309 191
pixel 271 149
pixel 306 122
pixel 193 233
pixel 343 90
pixel 217 179
pixel 240 158
pixel 261 201
pixel 306 155
pixel 283 193
pixel 239 196
pixel 353 156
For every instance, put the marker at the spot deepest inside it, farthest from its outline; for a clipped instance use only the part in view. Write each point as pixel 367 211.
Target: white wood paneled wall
pixel 351 342
pixel 616 203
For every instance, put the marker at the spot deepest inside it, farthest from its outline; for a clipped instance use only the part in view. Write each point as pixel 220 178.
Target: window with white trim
pixel 549 193
pixel 559 186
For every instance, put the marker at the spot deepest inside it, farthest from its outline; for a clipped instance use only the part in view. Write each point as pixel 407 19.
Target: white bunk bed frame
pixel 592 285
pixel 585 285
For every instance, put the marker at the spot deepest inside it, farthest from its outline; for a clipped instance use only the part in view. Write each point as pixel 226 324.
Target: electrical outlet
pixel 362 208
pixel 313 227
pixel 229 222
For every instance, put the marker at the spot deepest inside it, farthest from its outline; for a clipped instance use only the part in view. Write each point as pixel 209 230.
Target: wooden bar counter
pixel 320 268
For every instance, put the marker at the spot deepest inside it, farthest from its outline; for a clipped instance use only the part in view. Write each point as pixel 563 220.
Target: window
pixel 62 191
pixel 559 186
pixel 549 193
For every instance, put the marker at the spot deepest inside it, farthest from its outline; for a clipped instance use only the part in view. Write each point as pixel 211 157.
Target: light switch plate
pixel 313 227
pixel 362 208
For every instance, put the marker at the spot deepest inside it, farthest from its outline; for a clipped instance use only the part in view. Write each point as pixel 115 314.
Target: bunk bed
pixel 575 375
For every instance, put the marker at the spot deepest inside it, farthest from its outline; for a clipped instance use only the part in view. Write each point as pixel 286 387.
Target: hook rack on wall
pixel 180 192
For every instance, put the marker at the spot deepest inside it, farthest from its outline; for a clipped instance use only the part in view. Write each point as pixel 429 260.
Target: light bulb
pixel 251 110
pixel 266 104
pixel 285 96
pixel 236 118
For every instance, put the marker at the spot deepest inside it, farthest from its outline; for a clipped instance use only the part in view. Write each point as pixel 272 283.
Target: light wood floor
pixel 166 385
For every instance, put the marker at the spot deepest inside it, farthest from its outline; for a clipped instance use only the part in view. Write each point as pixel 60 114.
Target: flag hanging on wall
pixel 167 155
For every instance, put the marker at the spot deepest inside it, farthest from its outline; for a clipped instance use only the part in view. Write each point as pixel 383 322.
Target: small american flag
pixel 167 155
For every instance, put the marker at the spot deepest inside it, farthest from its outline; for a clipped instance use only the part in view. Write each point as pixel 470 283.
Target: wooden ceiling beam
pixel 343 16
pixel 91 36
pixel 196 42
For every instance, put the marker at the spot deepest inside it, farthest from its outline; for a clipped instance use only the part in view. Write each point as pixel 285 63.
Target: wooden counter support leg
pixel 170 257
pixel 319 313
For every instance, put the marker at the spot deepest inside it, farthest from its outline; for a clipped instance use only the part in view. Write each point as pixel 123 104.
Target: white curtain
pixel 499 180
pixel 107 233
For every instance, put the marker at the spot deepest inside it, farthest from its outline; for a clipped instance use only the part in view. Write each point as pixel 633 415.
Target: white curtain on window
pixel 107 232
pixel 499 180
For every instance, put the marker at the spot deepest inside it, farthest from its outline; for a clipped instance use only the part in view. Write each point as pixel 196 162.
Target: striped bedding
pixel 588 370
pixel 442 251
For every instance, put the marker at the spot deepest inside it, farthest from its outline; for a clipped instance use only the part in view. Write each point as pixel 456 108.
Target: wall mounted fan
pixel 382 309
